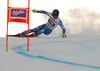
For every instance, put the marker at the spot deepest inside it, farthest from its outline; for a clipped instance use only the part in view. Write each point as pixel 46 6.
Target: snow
pixel 72 53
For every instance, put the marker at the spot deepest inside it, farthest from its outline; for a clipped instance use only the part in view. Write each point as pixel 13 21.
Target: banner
pixel 18 15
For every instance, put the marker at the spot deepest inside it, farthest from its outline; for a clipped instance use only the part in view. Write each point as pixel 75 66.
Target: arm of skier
pixel 40 11
pixel 63 29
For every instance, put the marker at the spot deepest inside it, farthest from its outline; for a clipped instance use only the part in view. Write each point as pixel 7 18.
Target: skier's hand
pixel 63 35
pixel 35 11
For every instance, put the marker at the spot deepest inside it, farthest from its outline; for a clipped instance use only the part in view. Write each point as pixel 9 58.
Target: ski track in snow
pixel 19 49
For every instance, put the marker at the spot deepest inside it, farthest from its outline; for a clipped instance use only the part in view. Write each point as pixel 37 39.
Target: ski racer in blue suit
pixel 47 28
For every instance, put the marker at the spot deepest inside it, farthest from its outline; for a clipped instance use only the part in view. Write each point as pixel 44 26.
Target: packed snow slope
pixel 72 53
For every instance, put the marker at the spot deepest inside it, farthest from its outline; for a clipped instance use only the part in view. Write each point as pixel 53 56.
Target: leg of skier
pixel 23 34
pixel 44 30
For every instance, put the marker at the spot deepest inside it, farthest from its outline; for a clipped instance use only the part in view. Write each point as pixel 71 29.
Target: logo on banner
pixel 18 13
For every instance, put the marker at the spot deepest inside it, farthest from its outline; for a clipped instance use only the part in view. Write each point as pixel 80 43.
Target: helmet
pixel 55 12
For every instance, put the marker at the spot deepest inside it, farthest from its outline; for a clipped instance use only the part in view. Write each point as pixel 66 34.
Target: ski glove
pixel 35 11
pixel 63 35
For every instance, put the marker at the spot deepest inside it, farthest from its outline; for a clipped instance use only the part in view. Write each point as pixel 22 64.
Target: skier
pixel 47 28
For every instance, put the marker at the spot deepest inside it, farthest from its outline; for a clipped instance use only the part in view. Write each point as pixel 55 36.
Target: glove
pixel 63 35
pixel 35 11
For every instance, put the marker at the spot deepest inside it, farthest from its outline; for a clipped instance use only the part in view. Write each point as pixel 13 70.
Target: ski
pixel 21 36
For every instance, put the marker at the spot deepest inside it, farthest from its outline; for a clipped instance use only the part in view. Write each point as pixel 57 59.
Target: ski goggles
pixel 55 15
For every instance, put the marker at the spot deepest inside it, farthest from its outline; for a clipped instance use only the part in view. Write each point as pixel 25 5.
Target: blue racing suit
pixel 48 27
